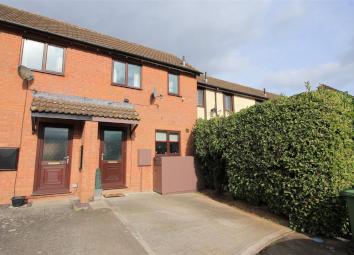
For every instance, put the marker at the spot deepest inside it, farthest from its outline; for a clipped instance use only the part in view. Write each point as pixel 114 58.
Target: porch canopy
pixel 58 106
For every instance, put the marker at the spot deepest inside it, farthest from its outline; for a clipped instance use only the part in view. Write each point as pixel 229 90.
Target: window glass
pixel 118 72
pixel 55 143
pixel 8 158
pixel 174 137
pixel 161 136
pixel 174 148
pixel 134 73
pixel 32 54
pixel 200 97
pixel 227 103
pixel 55 56
pixel 112 144
pixel 161 147
pixel 173 84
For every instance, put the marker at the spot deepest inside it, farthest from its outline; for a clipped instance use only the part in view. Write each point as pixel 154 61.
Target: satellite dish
pixel 25 73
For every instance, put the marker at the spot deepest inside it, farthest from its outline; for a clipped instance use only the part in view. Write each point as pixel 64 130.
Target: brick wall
pixel 87 74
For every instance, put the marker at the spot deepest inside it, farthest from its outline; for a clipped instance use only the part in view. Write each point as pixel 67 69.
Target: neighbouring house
pixel 217 97
pixel 325 86
pixel 95 101
pixel 98 103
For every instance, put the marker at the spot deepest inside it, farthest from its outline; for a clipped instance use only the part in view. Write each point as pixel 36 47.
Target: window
pixel 54 61
pixel 125 74
pixel 201 97
pixel 8 158
pixel 173 86
pixel 42 56
pixel 167 143
pixel 228 106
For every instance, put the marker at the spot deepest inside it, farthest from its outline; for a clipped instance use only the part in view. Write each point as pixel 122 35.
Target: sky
pixel 272 44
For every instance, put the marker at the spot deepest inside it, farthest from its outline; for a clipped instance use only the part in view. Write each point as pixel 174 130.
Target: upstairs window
pixel 228 106
pixel 173 84
pixel 43 57
pixel 200 98
pixel 167 143
pixel 127 75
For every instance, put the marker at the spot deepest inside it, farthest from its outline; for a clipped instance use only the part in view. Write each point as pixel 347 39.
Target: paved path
pixel 192 224
pixel 54 228
pixel 141 223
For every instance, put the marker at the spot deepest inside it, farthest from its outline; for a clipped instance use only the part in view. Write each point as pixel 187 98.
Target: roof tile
pixel 55 103
pixel 234 87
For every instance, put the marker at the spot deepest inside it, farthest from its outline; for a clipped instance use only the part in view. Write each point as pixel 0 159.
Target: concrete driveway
pixel 141 223
pixel 55 228
pixel 192 224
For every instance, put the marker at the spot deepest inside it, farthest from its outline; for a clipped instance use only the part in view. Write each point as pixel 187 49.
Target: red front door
pixel 53 160
pixel 111 160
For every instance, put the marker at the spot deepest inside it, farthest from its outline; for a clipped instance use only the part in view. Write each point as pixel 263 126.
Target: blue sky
pixel 277 45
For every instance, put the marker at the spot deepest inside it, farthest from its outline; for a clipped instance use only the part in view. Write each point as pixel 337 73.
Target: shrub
pixel 208 151
pixel 295 155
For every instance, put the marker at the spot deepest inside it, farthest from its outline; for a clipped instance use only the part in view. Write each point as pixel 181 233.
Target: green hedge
pixel 293 154
pixel 209 150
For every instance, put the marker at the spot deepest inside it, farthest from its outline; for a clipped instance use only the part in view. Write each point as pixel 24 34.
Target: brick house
pixel 220 98
pixel 98 104
pixel 95 102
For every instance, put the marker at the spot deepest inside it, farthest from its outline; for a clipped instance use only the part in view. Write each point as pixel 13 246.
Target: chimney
pixel 264 92
pixel 205 77
pixel 183 60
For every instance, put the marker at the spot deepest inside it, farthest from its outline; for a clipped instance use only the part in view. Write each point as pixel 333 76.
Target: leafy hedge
pixel 293 154
pixel 209 153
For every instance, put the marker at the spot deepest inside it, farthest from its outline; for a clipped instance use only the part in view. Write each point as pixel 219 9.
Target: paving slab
pixel 193 224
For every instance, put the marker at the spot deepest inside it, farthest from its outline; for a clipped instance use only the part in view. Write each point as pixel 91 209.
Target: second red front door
pixel 111 158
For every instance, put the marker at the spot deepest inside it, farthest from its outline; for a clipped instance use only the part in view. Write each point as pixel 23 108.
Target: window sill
pixel 174 95
pixel 48 72
pixel 166 155
pixel 125 86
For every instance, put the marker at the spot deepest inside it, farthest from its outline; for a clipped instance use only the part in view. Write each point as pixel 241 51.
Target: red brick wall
pixel 89 75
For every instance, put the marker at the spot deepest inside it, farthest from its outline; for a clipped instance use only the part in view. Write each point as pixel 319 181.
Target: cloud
pixel 337 74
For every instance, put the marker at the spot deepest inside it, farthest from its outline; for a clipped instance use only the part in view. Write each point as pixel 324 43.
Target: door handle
pixel 67 158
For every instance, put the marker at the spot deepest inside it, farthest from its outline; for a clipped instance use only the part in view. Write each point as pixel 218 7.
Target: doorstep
pixel 51 197
pixel 114 192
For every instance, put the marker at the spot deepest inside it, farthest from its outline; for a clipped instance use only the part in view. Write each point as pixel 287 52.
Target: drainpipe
pixel 216 102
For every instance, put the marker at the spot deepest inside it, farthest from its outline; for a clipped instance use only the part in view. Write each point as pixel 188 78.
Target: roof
pixel 74 105
pixel 234 87
pixel 40 23
pixel 325 86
